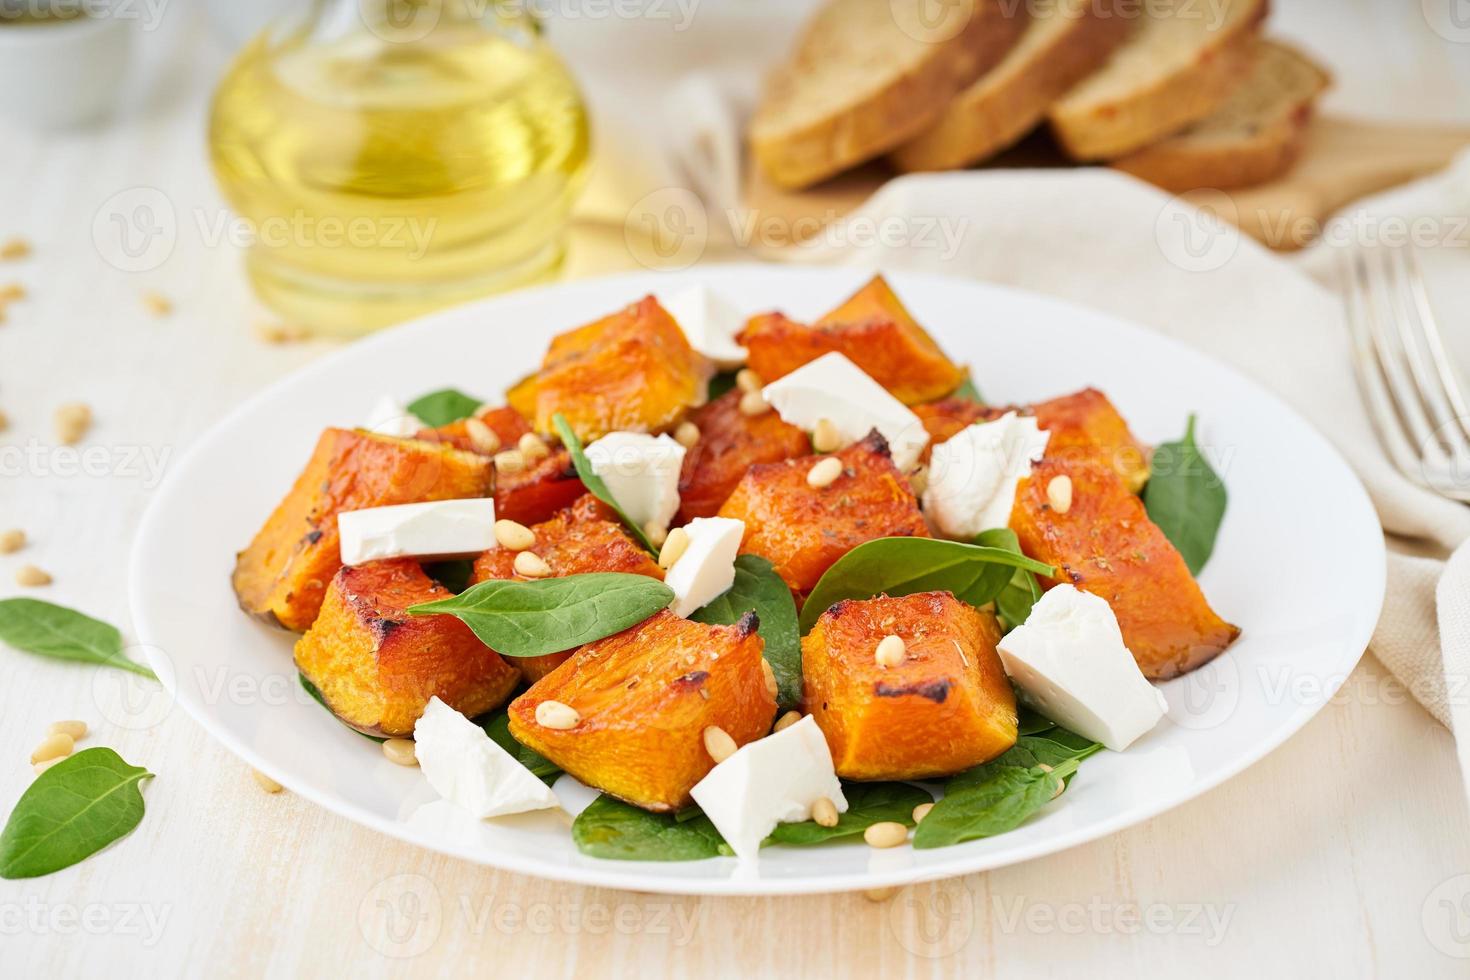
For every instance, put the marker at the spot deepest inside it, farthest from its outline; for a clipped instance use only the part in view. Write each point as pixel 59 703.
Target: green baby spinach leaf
pixel 497 726
pixel 903 566
pixel 532 618
pixel 1186 498
pixel 72 810
pixel 967 390
pixel 443 407
pixel 1030 721
pixel 319 698
pixel 720 384
pixel 618 831
pixel 867 804
pixel 758 588
pixel 49 630
pixel 1017 589
pixel 595 484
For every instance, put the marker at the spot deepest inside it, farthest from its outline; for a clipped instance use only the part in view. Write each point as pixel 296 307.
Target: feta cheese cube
pixel 641 472
pixel 973 476
pixel 467 767
pixel 834 388
pixel 709 322
pixel 437 529
pixel 706 569
pixel 389 418
pixel 772 780
pixel 1068 661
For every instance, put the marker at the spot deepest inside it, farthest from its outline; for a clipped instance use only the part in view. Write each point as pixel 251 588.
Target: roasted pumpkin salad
pixel 785 597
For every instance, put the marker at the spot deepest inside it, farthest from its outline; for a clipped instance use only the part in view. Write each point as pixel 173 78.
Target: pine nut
pixel 533 447
pixel 824 473
pixel 748 381
pixel 891 651
pixel 57 746
pixel 1059 493
pixel 157 304
pixel 825 437
pixel 886 833
pixel 72 422
pixel 265 782
pixel 656 533
pixel 76 729
pixel 921 811
pixel 753 403
pixel 401 751
pixel 880 894
pixel 1061 786
pixel 824 813
pixel 41 767
pixel 30 575
pixel 279 333
pixel 510 461
pixel 531 565
pixel 687 434
pixel 12 291
pixel 769 673
pixel 557 716
pixel 513 535
pixel 15 248
pixel 12 541
pixel 919 481
pixel 482 437
pixel 787 720
pixel 718 743
pixel 674 546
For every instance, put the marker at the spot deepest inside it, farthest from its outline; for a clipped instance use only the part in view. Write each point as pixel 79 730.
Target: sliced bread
pixel 1255 136
pixel 867 75
pixel 1180 64
pixel 1064 42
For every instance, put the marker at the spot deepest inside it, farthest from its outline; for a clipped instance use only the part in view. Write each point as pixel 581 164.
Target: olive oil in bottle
pixel 393 157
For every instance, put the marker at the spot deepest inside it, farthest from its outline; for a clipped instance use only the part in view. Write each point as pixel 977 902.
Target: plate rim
pixel 641 876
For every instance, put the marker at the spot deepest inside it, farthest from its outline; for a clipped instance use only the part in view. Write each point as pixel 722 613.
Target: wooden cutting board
pixel 1342 160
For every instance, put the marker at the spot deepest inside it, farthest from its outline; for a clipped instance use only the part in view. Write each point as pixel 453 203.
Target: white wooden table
pixel 1333 857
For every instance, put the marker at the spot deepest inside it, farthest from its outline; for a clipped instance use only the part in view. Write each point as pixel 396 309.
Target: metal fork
pixel 1413 393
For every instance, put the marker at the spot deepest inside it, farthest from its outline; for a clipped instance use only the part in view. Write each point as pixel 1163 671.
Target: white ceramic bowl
pixel 64 74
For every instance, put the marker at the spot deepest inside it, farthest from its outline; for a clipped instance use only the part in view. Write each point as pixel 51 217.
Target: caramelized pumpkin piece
pixel 945 419
pixel 802 530
pixel 377 667
pixel 875 332
pixel 283 574
pixel 1105 544
pixel 946 707
pixel 586 537
pixel 1085 425
pixel 643 699
pixel 633 371
pixel 730 442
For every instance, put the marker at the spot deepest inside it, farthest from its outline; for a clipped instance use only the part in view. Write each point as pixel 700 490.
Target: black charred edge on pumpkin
pixel 695 678
pixel 874 442
pixel 381 629
pixel 935 691
pixel 747 625
pixel 313 536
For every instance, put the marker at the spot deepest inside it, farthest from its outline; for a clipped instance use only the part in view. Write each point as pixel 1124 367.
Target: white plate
pixel 1299 566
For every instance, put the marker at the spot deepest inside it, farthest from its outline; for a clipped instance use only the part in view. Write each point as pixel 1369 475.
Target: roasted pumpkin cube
pixel 873 330
pixel 643 699
pixel 802 530
pixel 586 537
pixel 1086 425
pixel 633 371
pixel 1105 544
pixel 947 418
pixel 731 442
pixel 945 707
pixel 283 574
pixel 377 666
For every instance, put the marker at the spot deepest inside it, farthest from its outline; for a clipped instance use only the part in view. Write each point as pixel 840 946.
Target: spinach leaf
pixel 1015 598
pixel 72 810
pixel 49 630
pixel 903 566
pixel 867 804
pixel 993 806
pixel 319 698
pixel 720 384
pixel 595 484
pixel 757 587
pixel 967 390
pixel 533 618
pixel 618 831
pixel 497 726
pixel 1031 722
pixel 443 407
pixel 1186 499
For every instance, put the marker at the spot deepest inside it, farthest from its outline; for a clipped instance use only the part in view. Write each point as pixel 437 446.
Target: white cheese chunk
pixel 706 569
pixel 834 388
pixel 772 780
pixel 1069 663
pixel 437 529
pixel 709 322
pixel 466 767
pixel 973 476
pixel 389 418
pixel 641 472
